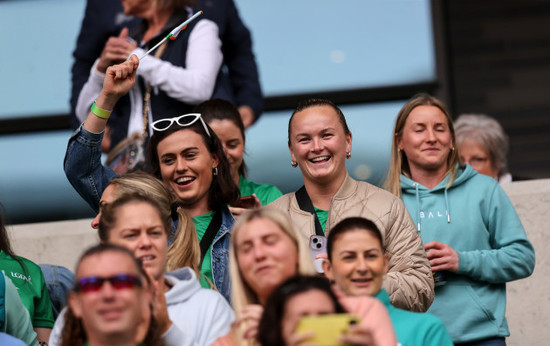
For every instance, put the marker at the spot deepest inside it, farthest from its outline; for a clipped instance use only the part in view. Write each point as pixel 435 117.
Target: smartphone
pixel 246 202
pixel 328 328
pixel 317 245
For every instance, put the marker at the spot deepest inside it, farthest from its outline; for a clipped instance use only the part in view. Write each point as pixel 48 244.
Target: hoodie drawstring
pixel 446 206
pixel 417 207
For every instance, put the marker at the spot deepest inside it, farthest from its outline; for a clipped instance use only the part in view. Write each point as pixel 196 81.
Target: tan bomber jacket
pixel 409 281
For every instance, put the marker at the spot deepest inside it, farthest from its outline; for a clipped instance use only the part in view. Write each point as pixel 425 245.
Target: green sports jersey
pixel 265 193
pixel 31 287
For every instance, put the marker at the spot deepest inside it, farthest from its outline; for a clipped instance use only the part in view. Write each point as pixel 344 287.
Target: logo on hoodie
pixel 432 214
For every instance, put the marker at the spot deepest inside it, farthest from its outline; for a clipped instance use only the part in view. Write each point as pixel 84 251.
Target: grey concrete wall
pixel 59 243
pixel 528 309
pixel 528 299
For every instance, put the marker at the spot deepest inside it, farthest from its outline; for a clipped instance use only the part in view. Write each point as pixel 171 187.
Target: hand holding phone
pixel 318 246
pixel 328 328
pixel 246 202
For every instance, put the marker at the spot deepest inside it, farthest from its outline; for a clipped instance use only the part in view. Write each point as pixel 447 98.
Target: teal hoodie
pixel 476 218
pixel 415 328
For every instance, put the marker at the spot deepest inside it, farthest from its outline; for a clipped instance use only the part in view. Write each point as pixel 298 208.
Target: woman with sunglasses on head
pixel 472 233
pixel 357 262
pixel 110 303
pixel 226 122
pixel 184 311
pixel 183 152
pixel 320 141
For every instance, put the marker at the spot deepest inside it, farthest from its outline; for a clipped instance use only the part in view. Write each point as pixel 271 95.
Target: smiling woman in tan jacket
pixel 319 142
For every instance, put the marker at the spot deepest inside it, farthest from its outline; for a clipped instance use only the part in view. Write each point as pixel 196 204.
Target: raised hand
pixel 160 309
pixel 119 79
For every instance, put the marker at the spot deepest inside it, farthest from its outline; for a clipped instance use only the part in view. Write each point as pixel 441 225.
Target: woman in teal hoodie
pixel 471 232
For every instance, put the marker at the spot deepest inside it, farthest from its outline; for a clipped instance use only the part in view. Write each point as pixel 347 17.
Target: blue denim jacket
pixel 89 177
pixel 83 166
pixel 220 255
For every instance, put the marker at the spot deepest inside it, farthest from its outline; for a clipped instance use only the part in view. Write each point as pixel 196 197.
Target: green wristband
pixel 100 112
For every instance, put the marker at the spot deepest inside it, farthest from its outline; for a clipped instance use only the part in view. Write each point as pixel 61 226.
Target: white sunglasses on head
pixel 182 120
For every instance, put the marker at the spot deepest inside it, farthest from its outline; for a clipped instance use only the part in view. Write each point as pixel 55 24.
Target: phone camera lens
pixel 318 245
pixel 314 240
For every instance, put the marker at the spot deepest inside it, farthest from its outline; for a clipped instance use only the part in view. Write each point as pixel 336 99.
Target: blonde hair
pixel 242 293
pixel 398 161
pixel 184 250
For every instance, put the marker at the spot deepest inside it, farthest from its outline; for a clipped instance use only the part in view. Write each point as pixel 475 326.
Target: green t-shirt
pixel 201 224
pixel 322 215
pixel 31 288
pixel 265 193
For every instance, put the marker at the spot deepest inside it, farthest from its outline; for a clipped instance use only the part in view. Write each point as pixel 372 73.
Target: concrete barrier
pixel 528 308
pixel 59 243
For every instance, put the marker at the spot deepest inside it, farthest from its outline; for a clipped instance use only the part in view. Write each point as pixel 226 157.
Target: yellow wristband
pixel 100 112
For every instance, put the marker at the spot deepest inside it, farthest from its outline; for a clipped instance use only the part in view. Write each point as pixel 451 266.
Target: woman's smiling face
pixel 358 263
pixel 426 140
pixel 186 166
pixel 318 143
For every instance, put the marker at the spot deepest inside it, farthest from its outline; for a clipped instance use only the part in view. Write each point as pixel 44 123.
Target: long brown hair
pixel 398 162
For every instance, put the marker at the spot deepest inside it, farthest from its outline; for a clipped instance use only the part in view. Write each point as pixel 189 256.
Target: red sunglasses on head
pixel 119 282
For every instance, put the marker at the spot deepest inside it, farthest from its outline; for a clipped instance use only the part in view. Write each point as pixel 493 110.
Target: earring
pixel 215 170
pixel 294 164
pixel 452 148
pixel 348 155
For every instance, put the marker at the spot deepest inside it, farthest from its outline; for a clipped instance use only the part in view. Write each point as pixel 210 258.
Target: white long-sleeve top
pixel 192 84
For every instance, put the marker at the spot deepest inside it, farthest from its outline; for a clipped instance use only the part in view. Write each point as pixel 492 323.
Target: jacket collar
pixel 348 187
pixel 227 223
